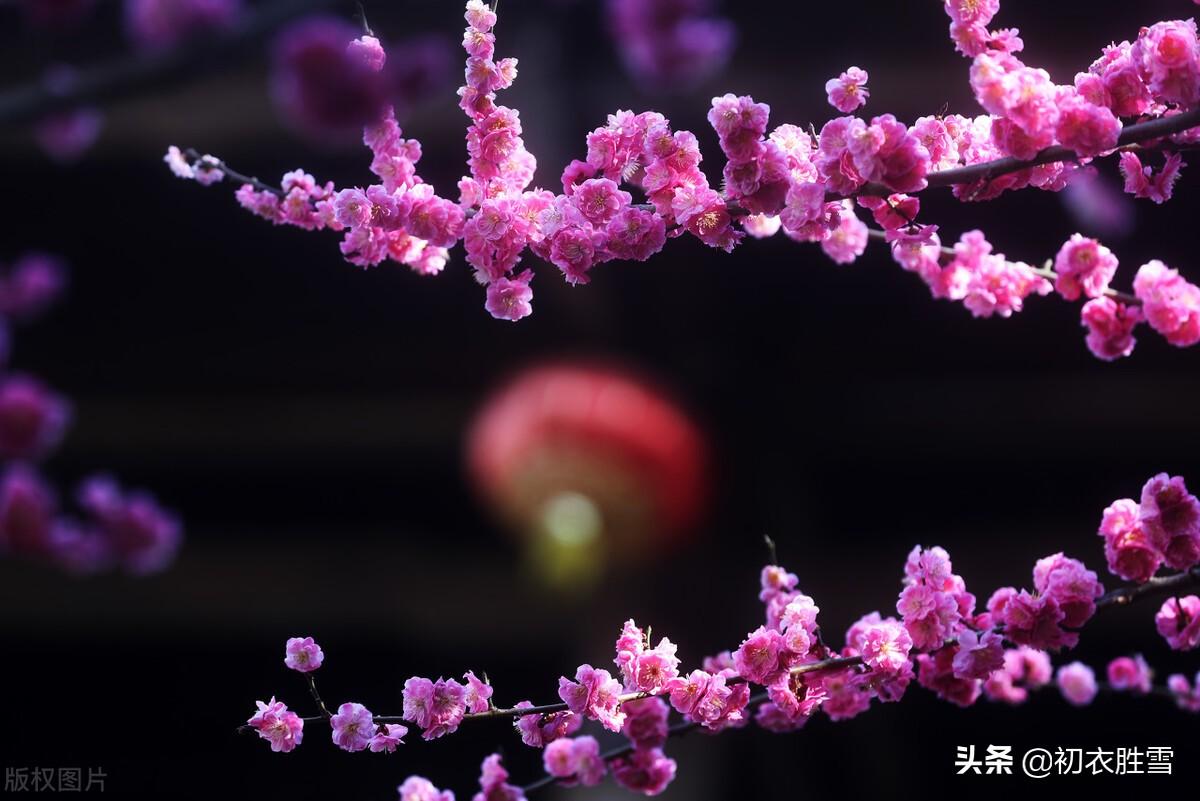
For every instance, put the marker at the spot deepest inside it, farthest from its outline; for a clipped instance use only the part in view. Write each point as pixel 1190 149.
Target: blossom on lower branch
pixel 275 723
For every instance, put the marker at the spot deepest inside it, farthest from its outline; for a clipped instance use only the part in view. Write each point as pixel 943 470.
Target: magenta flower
pixel 595 694
pixel 1170 518
pixel 1077 682
pixel 303 654
pixel 1178 621
pixel 1130 673
pixel 647 771
pixel 1170 304
pixel 1084 266
pixel 510 298
pixel 1035 621
pixel 646 722
pixel 476 694
pixel 369 51
pixel 353 727
pixel 575 760
pixel 1143 182
pixel 1023 669
pixel 1110 327
pixel 848 91
pixel 757 659
pixel 387 738
pixel 540 730
pixel 1129 551
pixel 1071 585
pixel 418 788
pixel 273 722
pixel 493 782
pixel 936 672
pixel 885 646
pixel 978 657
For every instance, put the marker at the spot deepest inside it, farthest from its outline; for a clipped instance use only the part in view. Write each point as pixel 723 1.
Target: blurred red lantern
pixel 591 465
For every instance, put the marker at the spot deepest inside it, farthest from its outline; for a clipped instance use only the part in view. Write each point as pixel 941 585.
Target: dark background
pixel 306 419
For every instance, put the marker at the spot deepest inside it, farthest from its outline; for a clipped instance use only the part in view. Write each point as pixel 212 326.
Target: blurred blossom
pixel 328 94
pixel 33 283
pixel 1098 206
pixel 27 510
pixel 64 136
pixel 56 13
pixel 32 418
pixel 670 44
pixel 142 536
pixel 164 23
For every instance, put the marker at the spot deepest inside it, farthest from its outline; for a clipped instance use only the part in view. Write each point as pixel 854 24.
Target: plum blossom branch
pixel 1154 587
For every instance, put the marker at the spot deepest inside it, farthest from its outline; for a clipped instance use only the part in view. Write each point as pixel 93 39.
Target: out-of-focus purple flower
pixel 165 23
pixel 32 418
pixel 328 92
pixel 670 44
pixel 33 284
pixel 27 509
pixel 66 135
pixel 144 536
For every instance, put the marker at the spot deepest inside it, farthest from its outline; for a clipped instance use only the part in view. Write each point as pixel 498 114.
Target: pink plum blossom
pixel 1084 266
pixel 1170 517
pixel 274 723
pixel 303 654
pixel 848 91
pixel 1110 327
pixel 387 738
pixel 1170 303
pixel 1077 682
pixel 1129 551
pixel 647 771
pixel 353 727
pixel 1130 673
pixel 1178 621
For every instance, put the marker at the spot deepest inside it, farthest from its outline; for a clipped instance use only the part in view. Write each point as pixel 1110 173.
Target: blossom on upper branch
pixel 303 654
pixel 595 694
pixel 848 91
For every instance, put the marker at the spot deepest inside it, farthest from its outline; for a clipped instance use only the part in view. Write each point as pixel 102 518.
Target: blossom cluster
pixel 806 185
pixel 1163 528
pixel 940 641
pixel 123 529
